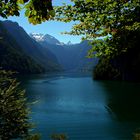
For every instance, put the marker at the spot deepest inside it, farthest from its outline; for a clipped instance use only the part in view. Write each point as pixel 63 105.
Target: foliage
pixel 136 134
pixel 113 28
pixel 59 137
pixel 37 11
pixel 105 71
pixel 126 63
pixel 136 137
pixel 104 22
pixel 33 137
pixel 13 108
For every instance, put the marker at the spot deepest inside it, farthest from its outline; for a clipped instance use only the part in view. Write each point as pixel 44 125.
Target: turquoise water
pixel 82 108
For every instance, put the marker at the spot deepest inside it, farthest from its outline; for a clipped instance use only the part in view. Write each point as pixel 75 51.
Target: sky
pixel 53 28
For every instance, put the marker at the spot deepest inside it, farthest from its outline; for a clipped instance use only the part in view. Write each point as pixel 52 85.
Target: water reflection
pixel 123 100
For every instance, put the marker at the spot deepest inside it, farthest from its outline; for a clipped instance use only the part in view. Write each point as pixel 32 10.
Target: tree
pixel 13 109
pixel 96 20
pixel 59 137
pixel 35 10
pixel 106 23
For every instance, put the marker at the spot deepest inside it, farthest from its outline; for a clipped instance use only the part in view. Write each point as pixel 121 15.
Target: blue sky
pixel 49 27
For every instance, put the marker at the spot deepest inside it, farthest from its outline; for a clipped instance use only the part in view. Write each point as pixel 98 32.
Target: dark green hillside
pixel 32 48
pixel 13 58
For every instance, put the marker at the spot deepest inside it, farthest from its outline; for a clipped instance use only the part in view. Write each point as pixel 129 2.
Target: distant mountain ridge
pixel 42 52
pixel 72 57
pixel 48 38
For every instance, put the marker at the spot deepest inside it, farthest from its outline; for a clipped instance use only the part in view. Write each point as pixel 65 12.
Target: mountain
pixel 30 47
pixel 72 57
pixel 13 58
pixel 47 38
pixel 69 43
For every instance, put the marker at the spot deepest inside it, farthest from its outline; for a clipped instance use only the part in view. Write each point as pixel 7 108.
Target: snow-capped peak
pixel 60 43
pixel 37 36
pixel 45 38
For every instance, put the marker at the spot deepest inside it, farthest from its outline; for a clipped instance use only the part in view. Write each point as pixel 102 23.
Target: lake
pixel 82 108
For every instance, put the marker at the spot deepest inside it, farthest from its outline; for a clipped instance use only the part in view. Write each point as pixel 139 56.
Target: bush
pixel 13 108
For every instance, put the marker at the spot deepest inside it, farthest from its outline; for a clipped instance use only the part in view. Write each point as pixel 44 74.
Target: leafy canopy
pixel 102 22
pixel 37 11
pixel 106 23
pixel 13 109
